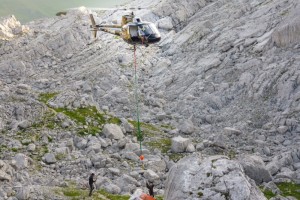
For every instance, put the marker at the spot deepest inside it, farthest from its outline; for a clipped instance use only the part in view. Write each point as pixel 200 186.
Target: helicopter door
pixel 133 30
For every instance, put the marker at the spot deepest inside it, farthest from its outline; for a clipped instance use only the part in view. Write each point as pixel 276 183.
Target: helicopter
pixel 132 30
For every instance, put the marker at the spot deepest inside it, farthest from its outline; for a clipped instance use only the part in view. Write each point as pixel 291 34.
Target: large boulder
pixel 20 161
pixel 214 178
pixel 49 158
pixel 187 127
pixel 255 168
pixel 23 193
pixel 113 131
pixel 179 144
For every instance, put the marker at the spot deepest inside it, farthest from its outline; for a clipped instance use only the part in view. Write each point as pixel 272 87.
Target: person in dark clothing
pixel 91 183
pixel 150 188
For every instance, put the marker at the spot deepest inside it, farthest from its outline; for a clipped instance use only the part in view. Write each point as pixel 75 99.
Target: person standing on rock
pixel 150 187
pixel 91 183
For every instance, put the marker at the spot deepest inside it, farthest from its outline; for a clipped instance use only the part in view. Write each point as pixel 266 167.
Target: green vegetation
pixel 78 194
pixel 167 126
pixel 60 156
pixel 287 189
pixel 81 115
pixel 159 197
pixel 113 196
pixel 163 144
pixel 15 149
pixel 268 193
pixel 231 154
pixel 200 194
pixel 2 148
pixel 71 192
pixel 148 130
pixel 89 118
pixel 45 97
pixel 176 156
pixel 290 189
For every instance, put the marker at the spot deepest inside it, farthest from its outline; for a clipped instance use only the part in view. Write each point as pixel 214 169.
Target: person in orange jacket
pixel 146 197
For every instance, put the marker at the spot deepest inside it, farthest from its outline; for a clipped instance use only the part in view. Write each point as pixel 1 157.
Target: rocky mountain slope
pixel 223 82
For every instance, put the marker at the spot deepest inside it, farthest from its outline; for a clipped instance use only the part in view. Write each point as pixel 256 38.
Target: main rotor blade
pixel 99 9
pixel 93 25
pixel 92 20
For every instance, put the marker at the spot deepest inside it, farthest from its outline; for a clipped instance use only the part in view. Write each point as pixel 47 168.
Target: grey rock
pixel 80 143
pixel 4 176
pixel 128 127
pixel 112 189
pixel 255 168
pixel 24 124
pixel 216 176
pixel 151 175
pixel 282 129
pixel 232 131
pixel 23 193
pixel 179 144
pixel 165 23
pixel 21 161
pixel 49 158
pixel 190 148
pixel 187 127
pixel 113 131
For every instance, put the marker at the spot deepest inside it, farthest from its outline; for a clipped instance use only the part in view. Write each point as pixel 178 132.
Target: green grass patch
pixel 3 148
pixel 176 156
pixel 47 120
pixel 15 149
pixel 144 125
pixel 79 194
pixel 71 192
pixel 268 193
pixel 289 189
pixel 60 156
pixel 45 97
pixel 89 117
pixel 159 197
pixel 167 126
pixel 163 144
pixel 80 115
pixel 113 196
pixel 200 194
pixel 114 120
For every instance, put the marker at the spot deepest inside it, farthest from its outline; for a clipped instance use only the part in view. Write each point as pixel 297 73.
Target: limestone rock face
pixel 215 177
pixel 225 75
pixel 288 32
pixel 10 26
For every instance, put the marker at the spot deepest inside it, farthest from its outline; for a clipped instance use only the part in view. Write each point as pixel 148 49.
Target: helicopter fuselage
pixel 140 33
pixel 132 30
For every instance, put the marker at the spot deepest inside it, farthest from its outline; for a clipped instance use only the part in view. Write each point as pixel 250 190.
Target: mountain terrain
pixel 218 100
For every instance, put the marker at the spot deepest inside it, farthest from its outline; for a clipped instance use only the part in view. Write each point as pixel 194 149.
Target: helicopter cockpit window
pixel 145 30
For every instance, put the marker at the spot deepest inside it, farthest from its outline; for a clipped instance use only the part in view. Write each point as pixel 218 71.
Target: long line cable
pixel 139 132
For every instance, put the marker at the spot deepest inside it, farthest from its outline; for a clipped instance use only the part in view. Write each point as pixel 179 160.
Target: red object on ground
pixel 146 197
pixel 142 157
